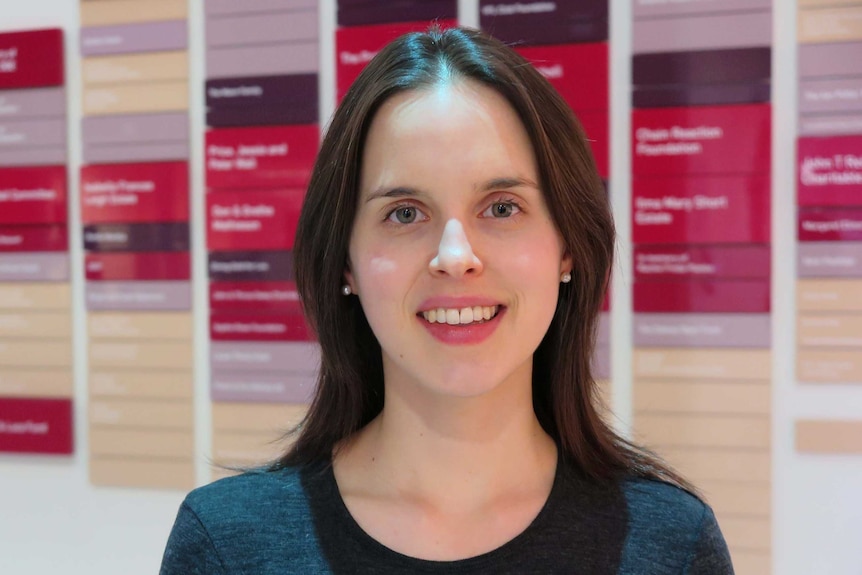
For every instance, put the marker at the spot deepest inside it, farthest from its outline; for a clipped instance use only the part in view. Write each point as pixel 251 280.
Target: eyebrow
pixel 495 184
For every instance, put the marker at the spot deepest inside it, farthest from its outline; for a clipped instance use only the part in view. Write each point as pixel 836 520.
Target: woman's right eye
pixel 404 215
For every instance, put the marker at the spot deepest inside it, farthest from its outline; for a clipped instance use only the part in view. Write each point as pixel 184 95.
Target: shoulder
pixel 674 528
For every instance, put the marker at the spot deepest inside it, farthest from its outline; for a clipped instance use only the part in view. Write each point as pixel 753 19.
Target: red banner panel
pixel 355 46
pixel 130 193
pixel 31 59
pixel 701 140
pixel 261 157
pixel 36 425
pixel 257 327
pixel 252 296
pixel 687 262
pixel 579 72
pixel 722 296
pixel 597 128
pixel 258 220
pixel 830 171
pixel 829 225
pixel 697 209
pixel 154 266
pixel 49 238
pixel 33 195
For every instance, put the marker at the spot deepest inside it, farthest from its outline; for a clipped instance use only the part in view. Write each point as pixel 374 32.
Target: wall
pixel 53 520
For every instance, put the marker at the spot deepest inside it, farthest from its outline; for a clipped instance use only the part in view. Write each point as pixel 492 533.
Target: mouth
pixel 461 316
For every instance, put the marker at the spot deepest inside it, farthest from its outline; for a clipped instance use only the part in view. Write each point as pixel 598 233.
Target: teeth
pixel 461 316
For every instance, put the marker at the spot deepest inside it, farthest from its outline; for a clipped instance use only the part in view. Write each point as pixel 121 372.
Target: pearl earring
pixel 566 277
pixel 345 290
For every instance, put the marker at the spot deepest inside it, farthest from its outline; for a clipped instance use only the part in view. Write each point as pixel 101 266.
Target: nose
pixel 455 255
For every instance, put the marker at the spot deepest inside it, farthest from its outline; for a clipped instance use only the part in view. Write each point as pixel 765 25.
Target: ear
pixel 349 279
pixel 566 264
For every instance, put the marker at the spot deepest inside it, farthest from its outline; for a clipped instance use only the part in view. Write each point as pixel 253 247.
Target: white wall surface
pixel 53 521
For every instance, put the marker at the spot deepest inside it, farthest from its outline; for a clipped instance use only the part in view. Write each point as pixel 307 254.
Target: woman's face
pixel 453 254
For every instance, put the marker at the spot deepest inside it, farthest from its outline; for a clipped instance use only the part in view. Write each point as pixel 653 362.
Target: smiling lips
pixel 461 316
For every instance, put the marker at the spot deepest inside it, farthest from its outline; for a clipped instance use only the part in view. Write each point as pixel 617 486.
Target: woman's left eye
pixel 501 210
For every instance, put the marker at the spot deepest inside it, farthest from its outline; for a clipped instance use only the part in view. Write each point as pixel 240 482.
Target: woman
pixel 452 255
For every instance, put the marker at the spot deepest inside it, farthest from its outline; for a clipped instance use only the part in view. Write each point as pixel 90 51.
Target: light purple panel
pixel 36 103
pixel 601 364
pixel 225 7
pixel 702 330
pixel 262 29
pixel 127 38
pixel 831 95
pixel 139 295
pixel 829 260
pixel 32 157
pixel 260 388
pixel 702 33
pixel 603 334
pixel 42 266
pixel 136 128
pixel 831 125
pixel 112 153
pixel 274 60
pixel 32 134
pixel 651 8
pixel 279 357
pixel 832 59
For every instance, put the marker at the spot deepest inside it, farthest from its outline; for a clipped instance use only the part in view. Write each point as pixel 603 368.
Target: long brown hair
pixel 350 382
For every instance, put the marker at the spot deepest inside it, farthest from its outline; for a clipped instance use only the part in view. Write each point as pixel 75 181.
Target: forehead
pixel 461 129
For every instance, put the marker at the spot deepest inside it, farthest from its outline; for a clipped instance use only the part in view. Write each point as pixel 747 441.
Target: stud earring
pixel 566 277
pixel 345 290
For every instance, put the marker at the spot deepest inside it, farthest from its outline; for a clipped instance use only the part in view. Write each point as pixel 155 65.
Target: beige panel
pixel 833 330
pixel 830 25
pixel 746 533
pixel 674 363
pixel 745 398
pixel 35 296
pixel 131 11
pixel 829 366
pixel 123 69
pixel 659 431
pixel 111 441
pixel 736 498
pixel 141 413
pixel 140 325
pixel 41 383
pixel 829 295
pixel 133 355
pixel 262 417
pixel 147 473
pixel 824 3
pixel 751 562
pixel 38 325
pixel 699 464
pixel 154 385
pixel 41 354
pixel 824 436
pixel 248 448
pixel 164 97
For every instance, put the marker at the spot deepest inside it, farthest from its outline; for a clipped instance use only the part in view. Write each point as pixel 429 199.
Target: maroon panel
pixel 36 425
pixel 137 266
pixel 717 209
pixel 249 296
pixel 724 296
pixel 45 238
pixel 253 266
pixel 706 140
pixel 157 237
pixel 539 22
pixel 252 220
pixel 261 157
pixel 232 117
pixel 256 327
pixel 356 46
pixel 829 171
pixel 676 96
pixel 370 12
pixel 579 72
pixel 688 262
pixel 830 225
pixel 31 59
pixel 129 193
pixel 263 91
pixel 33 195
pixel 734 66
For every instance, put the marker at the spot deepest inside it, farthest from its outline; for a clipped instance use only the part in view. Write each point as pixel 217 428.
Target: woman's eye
pixel 501 210
pixel 404 215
